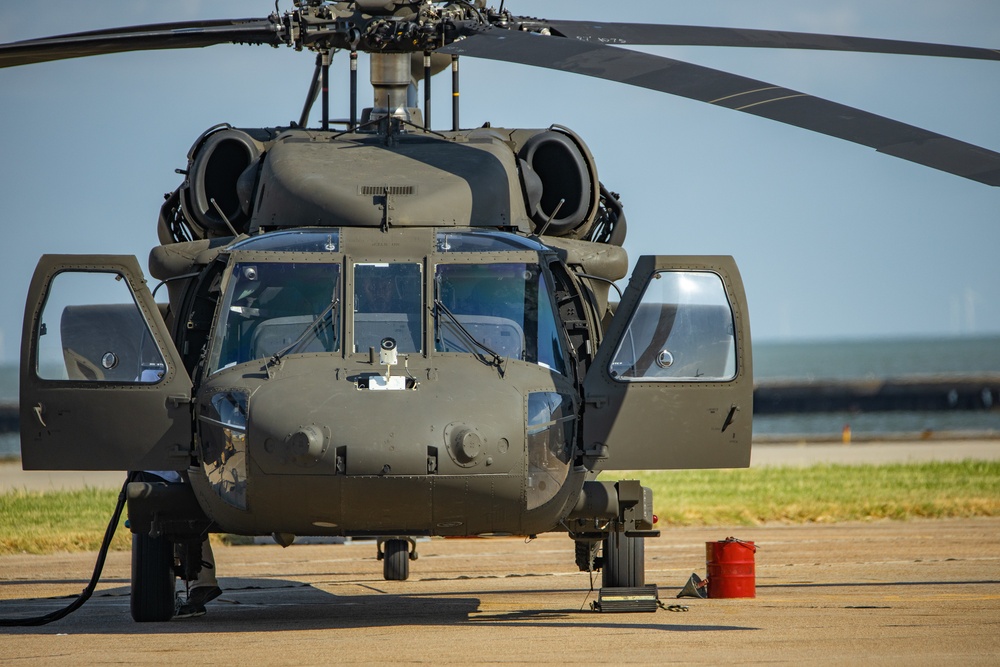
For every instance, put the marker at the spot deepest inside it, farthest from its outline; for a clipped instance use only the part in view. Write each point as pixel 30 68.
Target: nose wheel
pixel 396 554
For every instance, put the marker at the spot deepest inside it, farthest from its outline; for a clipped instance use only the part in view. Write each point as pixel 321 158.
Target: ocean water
pixel 877 359
pixel 883 358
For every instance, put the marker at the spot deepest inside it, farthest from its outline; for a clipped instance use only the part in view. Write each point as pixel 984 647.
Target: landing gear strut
pixel 618 516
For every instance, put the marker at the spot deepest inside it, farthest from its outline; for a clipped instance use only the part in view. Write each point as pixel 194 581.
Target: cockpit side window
pixel 107 342
pixel 508 307
pixel 269 306
pixel 682 331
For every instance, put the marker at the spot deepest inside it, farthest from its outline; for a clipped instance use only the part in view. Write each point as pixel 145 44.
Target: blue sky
pixel 834 240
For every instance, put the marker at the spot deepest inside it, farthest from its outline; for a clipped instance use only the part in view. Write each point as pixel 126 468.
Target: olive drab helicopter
pixel 379 327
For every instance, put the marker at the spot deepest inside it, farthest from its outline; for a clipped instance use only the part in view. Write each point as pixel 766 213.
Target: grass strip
pixel 822 493
pixel 46 522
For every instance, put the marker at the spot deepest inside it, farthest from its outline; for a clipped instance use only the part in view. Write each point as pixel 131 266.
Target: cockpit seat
pixel 275 334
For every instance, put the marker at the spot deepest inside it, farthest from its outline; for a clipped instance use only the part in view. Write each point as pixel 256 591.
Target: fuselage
pixel 414 381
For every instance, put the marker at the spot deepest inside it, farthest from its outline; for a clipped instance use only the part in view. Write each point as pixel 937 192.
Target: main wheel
pixel 152 578
pixel 396 560
pixel 624 561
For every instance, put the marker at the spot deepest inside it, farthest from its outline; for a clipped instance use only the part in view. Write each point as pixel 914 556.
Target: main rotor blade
pixel 191 34
pixel 735 92
pixel 688 35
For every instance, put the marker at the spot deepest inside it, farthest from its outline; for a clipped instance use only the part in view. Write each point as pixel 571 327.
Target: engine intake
pixel 560 160
pixel 215 164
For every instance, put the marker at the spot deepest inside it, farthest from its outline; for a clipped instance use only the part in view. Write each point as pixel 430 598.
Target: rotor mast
pixel 391 84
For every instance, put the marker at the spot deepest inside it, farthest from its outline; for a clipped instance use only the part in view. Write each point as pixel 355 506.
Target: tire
pixel 624 561
pixel 396 560
pixel 152 579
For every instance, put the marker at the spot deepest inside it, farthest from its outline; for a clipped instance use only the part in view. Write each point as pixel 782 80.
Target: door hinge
pixel 596 450
pixel 178 451
pixel 177 400
pixel 597 401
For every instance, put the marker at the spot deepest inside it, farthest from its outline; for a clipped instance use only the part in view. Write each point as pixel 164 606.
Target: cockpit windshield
pixel 506 307
pixel 483 241
pixel 293 240
pixel 477 304
pixel 269 306
pixel 387 304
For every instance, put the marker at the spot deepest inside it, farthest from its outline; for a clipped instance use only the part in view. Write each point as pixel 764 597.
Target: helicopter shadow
pixel 278 605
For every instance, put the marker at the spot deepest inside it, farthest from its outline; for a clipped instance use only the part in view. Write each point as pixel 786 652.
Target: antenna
pixel 553 216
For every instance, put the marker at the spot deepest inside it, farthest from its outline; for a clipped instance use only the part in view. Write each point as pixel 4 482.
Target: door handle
pixel 730 418
pixel 38 415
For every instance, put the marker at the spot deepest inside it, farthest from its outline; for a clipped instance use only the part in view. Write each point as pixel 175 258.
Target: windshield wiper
pixel 276 358
pixel 441 308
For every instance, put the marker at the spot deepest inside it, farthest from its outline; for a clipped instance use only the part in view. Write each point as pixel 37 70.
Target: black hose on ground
pixel 109 533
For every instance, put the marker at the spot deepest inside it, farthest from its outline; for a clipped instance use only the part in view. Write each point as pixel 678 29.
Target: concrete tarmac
pixel 906 593
pixel 895 593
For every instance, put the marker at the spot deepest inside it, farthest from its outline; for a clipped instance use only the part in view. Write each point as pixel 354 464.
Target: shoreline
pixel 929 436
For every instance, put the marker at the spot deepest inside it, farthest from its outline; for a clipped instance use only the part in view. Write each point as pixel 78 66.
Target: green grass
pixel 823 493
pixel 34 522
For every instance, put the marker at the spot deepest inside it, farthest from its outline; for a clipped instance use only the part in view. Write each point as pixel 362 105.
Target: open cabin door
pixel 671 385
pixel 102 385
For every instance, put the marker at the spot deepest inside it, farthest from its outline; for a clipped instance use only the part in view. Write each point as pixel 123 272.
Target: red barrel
pixel 731 571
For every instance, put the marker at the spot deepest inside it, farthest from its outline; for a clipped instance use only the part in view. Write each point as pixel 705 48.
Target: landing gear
pixel 619 517
pixel 396 560
pixel 624 563
pixel 395 554
pixel 152 578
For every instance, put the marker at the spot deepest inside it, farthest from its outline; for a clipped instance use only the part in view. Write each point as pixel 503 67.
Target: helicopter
pixel 388 329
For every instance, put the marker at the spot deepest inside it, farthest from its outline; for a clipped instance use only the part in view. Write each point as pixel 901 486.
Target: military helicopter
pixel 379 328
